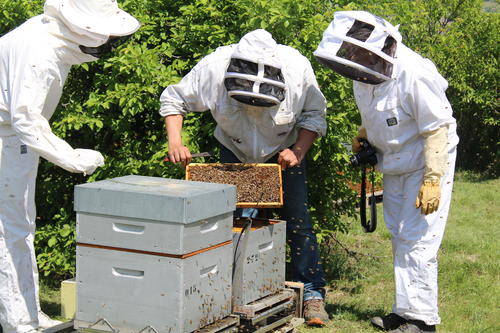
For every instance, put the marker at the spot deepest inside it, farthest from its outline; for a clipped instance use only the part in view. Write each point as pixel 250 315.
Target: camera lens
pixel 354 160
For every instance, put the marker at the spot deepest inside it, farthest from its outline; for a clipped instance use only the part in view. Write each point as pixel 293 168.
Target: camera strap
pixel 371 225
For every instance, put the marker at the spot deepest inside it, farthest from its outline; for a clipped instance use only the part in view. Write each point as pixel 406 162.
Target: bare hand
pixel 179 153
pixel 287 158
pixel 356 145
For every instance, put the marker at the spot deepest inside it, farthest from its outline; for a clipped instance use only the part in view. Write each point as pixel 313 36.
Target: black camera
pixel 365 156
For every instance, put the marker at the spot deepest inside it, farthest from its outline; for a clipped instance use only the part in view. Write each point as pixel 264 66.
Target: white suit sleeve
pixel 313 116
pixel 426 98
pixel 32 128
pixel 193 93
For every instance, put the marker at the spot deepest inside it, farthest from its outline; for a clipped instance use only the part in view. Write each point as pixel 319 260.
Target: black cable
pixel 362 203
pixel 373 204
pixel 370 225
pixel 246 226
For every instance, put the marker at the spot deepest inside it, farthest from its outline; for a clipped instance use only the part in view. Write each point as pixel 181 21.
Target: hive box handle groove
pixel 209 227
pixel 266 246
pixel 131 273
pixel 128 228
pixel 208 270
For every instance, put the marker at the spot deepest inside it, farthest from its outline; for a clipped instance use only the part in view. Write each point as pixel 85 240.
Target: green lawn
pixel 469 271
pixel 469 267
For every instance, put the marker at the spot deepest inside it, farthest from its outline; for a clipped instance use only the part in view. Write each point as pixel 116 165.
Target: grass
pixel 50 301
pixel 491 6
pixel 469 268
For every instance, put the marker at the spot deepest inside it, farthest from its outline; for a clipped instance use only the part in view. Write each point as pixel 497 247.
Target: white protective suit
pixel 397 114
pixel 35 59
pixel 252 133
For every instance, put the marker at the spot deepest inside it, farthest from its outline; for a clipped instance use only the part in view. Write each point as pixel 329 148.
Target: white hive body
pixel 259 260
pixel 153 252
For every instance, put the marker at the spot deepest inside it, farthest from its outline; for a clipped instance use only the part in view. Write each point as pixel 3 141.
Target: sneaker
pixel 314 312
pixel 44 321
pixel 415 326
pixel 389 322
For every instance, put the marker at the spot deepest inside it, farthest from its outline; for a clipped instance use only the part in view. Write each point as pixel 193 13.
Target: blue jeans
pixel 301 238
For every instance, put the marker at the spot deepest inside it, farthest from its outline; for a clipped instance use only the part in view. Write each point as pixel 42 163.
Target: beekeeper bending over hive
pixel 268 108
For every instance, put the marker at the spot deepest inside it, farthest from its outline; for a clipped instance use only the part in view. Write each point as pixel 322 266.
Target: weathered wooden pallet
pixel 228 324
pixel 65 327
pixel 266 304
pixel 290 326
pixel 298 287
pixel 267 310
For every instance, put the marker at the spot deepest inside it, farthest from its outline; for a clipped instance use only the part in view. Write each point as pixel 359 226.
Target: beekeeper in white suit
pixel 35 59
pixel 268 108
pixel 408 119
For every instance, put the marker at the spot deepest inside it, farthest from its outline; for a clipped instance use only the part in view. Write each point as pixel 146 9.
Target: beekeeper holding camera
pixel 407 118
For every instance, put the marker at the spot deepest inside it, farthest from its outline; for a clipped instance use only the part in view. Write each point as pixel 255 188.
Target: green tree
pixel 461 39
pixel 112 104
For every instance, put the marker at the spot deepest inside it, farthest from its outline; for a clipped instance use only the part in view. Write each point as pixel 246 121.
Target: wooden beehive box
pixel 258 185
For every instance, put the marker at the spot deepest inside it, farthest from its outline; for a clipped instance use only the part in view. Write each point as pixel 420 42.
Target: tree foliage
pixel 112 104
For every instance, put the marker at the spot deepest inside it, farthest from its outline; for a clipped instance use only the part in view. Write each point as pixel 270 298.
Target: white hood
pixel 93 20
pixel 254 75
pixel 258 45
pixel 339 33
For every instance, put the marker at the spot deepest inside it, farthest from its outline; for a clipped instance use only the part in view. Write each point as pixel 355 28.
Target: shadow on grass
pixel 361 314
pixel 50 308
pixel 474 177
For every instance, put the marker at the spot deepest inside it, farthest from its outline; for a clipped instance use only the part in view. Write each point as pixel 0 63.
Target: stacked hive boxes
pixel 153 254
pixel 259 246
pixel 259 259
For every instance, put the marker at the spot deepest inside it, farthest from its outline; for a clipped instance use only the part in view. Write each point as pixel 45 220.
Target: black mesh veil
pixel 245 83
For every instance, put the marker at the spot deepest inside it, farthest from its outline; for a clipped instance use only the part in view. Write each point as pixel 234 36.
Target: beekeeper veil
pixel 360 46
pixel 254 73
pixel 101 24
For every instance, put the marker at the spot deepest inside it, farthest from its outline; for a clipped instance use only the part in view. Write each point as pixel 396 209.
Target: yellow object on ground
pixel 68 298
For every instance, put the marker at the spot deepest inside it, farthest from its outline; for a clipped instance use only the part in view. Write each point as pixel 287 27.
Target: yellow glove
pixel 356 146
pixel 428 197
pixel 436 162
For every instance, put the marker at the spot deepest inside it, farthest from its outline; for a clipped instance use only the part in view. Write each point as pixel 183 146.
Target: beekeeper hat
pixel 254 73
pixel 341 34
pixel 258 45
pixel 101 17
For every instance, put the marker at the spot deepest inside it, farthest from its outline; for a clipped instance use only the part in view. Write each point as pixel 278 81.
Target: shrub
pixel 112 104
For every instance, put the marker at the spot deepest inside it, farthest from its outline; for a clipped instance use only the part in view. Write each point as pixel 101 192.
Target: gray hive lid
pixel 155 198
